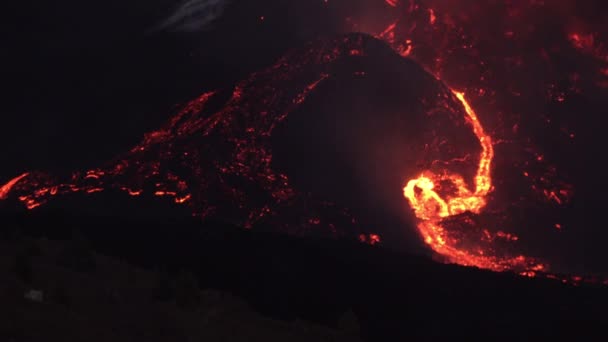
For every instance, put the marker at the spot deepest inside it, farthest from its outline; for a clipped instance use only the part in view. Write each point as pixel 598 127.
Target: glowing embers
pixel 432 207
pixel 370 239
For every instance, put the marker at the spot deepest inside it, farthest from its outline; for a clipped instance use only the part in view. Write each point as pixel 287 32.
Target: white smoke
pixel 193 16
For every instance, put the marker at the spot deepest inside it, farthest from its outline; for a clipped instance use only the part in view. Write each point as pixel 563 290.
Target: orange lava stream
pixel 431 207
pixel 6 188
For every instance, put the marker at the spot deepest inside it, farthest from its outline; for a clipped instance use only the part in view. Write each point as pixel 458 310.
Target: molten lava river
pixel 431 207
pixel 510 78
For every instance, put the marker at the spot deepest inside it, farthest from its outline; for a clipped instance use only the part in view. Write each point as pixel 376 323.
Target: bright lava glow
pixel 431 207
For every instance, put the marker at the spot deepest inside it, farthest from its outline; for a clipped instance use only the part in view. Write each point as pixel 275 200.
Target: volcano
pixel 274 151
pixel 320 152
pixel 447 129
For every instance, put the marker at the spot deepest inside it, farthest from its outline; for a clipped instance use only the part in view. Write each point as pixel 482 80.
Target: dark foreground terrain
pixel 63 291
pixel 113 279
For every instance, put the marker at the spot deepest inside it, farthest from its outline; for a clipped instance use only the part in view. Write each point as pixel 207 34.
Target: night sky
pixel 82 84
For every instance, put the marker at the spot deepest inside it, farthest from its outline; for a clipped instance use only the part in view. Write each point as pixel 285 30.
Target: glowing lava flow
pixel 431 207
pixel 5 189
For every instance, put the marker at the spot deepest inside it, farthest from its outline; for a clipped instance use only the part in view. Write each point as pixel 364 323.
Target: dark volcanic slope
pixel 345 105
pixel 376 121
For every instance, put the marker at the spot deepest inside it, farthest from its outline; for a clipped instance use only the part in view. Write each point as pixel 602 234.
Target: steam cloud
pixel 193 16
